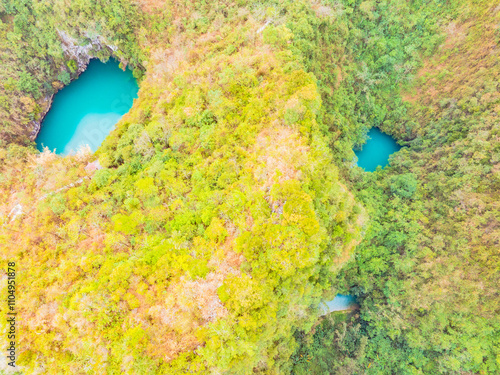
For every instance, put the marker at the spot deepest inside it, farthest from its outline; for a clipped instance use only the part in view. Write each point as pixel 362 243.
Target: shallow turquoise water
pixel 85 111
pixel 339 303
pixel 376 150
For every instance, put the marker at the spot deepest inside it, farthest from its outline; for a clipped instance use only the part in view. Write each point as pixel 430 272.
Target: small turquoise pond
pixel 376 150
pixel 85 111
pixel 339 303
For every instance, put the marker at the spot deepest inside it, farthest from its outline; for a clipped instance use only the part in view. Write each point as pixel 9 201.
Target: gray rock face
pixel 74 51
pixel 83 54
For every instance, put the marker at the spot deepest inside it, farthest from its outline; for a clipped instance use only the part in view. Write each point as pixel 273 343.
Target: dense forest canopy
pixel 229 205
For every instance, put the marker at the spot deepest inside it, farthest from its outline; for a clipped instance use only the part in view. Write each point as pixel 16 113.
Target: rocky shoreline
pixel 37 124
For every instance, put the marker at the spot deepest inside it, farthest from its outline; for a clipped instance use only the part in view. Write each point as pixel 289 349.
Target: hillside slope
pixel 215 227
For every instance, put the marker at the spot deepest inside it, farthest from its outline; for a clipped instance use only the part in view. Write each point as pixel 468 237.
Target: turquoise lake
pixel 376 150
pixel 85 111
pixel 341 302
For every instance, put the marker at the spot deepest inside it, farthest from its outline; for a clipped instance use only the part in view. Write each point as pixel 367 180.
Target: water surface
pixel 341 302
pixel 85 111
pixel 376 150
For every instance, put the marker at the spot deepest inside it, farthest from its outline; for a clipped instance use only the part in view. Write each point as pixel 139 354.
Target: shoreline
pixel 37 124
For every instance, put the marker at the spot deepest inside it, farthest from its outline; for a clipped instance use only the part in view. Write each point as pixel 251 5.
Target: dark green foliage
pixel 425 270
pixel 403 185
pixel 64 77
